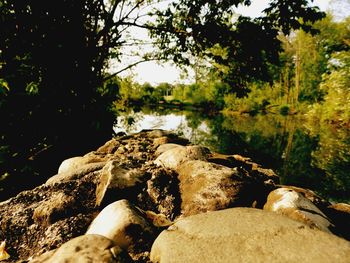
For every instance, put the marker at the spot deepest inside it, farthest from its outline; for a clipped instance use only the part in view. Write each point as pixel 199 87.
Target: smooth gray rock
pixel 76 162
pixel 166 147
pixel 114 178
pixel 178 155
pixel 294 205
pixel 75 173
pixel 122 223
pixel 246 235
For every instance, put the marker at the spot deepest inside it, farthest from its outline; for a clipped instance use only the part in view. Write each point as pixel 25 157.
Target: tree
pixel 250 44
pixel 54 56
pixel 72 41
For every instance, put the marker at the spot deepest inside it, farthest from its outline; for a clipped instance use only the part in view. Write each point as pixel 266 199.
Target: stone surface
pixel 294 205
pixel 177 155
pixel 246 163
pixel 76 173
pixel 30 230
pixel 28 236
pixel 157 133
pixel 59 205
pixel 109 147
pixel 115 182
pixel 340 215
pixel 317 200
pixel 44 218
pixel 207 186
pixel 167 146
pixel 246 235
pixel 73 163
pixel 123 224
pixel 163 192
pixel 341 207
pixel 161 140
pixel 85 249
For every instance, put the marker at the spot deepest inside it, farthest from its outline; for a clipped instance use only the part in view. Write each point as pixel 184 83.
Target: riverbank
pixel 152 196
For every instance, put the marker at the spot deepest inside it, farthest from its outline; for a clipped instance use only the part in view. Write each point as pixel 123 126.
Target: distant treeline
pixel 312 77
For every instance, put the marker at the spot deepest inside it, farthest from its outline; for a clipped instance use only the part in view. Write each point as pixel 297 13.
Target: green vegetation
pixel 57 98
pixel 311 78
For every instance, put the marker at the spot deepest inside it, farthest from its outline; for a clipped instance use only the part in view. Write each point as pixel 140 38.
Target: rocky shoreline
pixel 154 197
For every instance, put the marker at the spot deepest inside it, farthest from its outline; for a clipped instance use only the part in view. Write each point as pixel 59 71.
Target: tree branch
pixel 128 67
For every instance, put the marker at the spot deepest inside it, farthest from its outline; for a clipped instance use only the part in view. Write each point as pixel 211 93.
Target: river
pixel 303 154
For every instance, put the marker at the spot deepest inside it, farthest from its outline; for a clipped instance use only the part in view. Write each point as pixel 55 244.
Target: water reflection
pixel 176 122
pixel 303 154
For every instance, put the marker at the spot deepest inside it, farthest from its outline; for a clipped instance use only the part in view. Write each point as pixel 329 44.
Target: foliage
pixel 197 27
pixel 297 81
pixel 335 85
pixel 284 110
pixel 55 90
pixel 333 157
pixel 256 100
pixel 52 98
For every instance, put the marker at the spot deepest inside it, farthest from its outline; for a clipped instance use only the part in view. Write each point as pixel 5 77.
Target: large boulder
pixel 246 163
pixel 109 147
pixel 317 200
pixel 208 186
pixel 246 235
pixel 178 155
pixel 163 194
pixel 85 249
pixel 76 162
pixel 166 147
pixel 75 174
pixel 116 182
pixel 293 204
pixel 122 223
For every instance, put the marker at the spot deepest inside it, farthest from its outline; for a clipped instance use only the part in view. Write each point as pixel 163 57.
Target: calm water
pixel 302 154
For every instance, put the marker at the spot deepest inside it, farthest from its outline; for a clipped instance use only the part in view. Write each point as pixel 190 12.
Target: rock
pixel 290 203
pixel 75 174
pixel 74 163
pixel 340 215
pixel 177 155
pixel 193 180
pixel 161 140
pixel 167 146
pixel 3 253
pixel 116 182
pixel 71 164
pixel 46 257
pixel 84 249
pixel 169 139
pixel 246 235
pixel 244 162
pixel 109 147
pixel 207 186
pixel 122 223
pixel 163 191
pixel 56 207
pixel 156 133
pixel 341 207
pixel 317 200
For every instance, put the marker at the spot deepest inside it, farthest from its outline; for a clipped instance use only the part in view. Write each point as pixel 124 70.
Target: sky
pixel 155 73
